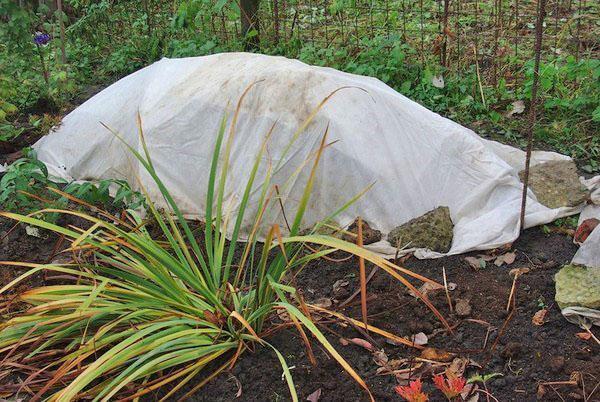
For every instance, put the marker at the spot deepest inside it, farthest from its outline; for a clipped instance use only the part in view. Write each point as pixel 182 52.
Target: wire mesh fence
pixel 456 34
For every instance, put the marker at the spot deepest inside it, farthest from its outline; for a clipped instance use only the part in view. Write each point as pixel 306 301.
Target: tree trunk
pixel 249 22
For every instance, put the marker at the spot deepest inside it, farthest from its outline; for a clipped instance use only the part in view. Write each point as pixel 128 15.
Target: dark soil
pixel 524 353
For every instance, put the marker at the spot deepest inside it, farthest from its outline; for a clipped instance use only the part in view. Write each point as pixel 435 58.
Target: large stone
pixel 433 231
pixel 577 285
pixel 556 184
pixel 369 234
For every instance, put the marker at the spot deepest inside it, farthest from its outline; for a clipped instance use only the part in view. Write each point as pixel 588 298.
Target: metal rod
pixel 539 32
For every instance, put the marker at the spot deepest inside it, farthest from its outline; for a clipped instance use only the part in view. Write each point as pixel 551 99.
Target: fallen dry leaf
pixel 438 81
pixel 395 364
pixel 419 339
pixel 456 369
pixel 380 358
pixel 315 396
pixel 323 302
pixel 507 259
pixel 518 271
pixel 474 363
pixel 518 107
pixel 425 289
pixel 469 393
pixel 539 318
pixel 361 342
pixel 541 392
pixel 476 263
pixel 437 355
pixel 583 335
pixel 239 386
pixel 338 285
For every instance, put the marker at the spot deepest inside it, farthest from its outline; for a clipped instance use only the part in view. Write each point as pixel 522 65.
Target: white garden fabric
pixel 416 159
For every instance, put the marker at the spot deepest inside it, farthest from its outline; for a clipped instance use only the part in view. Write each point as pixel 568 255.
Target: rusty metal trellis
pixel 440 31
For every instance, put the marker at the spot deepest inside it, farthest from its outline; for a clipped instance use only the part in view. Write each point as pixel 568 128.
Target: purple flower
pixel 41 39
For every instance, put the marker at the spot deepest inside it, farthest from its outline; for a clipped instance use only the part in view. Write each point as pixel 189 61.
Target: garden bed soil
pixel 524 353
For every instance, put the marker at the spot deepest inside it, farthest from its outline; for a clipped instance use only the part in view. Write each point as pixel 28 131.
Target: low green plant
pixel 99 194
pixel 141 312
pixel 24 177
pixel 26 187
pixel 483 378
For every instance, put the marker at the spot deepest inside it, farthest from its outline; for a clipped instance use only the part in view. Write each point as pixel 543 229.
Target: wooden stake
pixel 363 279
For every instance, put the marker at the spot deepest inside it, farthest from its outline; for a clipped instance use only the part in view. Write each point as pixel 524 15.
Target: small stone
pixel 511 350
pixel 463 307
pixel 433 231
pixel 32 231
pixel 369 234
pixel 556 184
pixel 340 289
pixel 577 285
pixel 557 363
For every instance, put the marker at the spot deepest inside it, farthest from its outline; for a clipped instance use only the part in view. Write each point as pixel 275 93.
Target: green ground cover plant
pixel 26 186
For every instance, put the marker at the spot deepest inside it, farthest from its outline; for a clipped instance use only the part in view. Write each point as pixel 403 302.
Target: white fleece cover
pixel 417 159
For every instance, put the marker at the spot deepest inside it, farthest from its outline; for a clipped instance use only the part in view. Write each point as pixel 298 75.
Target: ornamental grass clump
pixel 138 311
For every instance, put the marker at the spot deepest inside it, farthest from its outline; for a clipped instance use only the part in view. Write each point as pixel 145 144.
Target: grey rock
pixel 556 184
pixel 433 231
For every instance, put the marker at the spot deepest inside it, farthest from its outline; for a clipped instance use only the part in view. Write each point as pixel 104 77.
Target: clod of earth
pixel 369 234
pixel 577 285
pixel 463 308
pixel 340 289
pixel 433 231
pixel 556 184
pixel 512 350
pixel 557 363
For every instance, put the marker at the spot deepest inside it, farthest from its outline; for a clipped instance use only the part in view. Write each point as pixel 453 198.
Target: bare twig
pixel 447 292
pixel 363 279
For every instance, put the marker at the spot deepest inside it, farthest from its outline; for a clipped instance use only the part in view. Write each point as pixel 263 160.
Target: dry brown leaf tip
pixel 437 355
pixel 539 318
